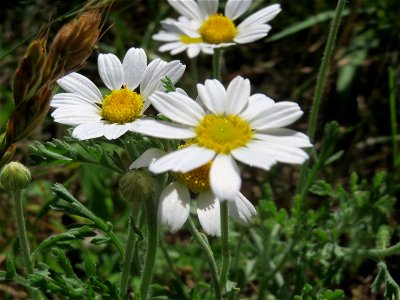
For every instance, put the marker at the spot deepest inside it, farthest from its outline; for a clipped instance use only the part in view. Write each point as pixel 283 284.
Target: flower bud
pixel 15 176
pixel 137 185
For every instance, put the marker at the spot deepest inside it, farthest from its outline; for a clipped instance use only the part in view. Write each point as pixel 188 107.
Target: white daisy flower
pixel 235 126
pixel 175 199
pixel 176 41
pixel 95 115
pixel 220 29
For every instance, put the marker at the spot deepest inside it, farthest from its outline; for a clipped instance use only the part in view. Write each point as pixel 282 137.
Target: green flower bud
pixel 15 176
pixel 137 185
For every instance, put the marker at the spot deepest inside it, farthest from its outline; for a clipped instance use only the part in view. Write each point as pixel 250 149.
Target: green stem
pixel 210 257
pixel 217 63
pixel 23 239
pixel 152 240
pixel 129 250
pixel 376 254
pixel 322 74
pixel 226 256
pixel 323 70
pixel 393 120
pixel 169 260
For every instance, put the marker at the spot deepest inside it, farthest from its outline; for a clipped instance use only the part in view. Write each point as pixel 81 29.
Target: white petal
pixel 134 64
pixel 193 51
pixel 183 160
pixel 152 76
pixel 234 8
pixel 262 16
pixel 190 30
pixel 79 84
pixel 209 7
pixel 114 131
pixel 164 36
pixel 188 8
pixel 225 179
pixel 162 129
pixel 174 206
pixel 280 152
pixel 111 71
pixel 158 70
pixel 148 157
pixel 237 95
pixel 178 107
pixel 257 104
pixel 241 210
pixel 213 95
pixel 170 46
pixel 251 34
pixel 179 49
pixel 284 136
pixel 70 99
pixel 253 157
pixel 75 115
pixel 174 70
pixel 278 115
pixel 208 213
pixel 88 131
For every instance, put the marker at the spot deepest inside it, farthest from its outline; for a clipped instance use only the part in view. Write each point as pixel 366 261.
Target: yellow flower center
pixel 189 40
pixel 196 180
pixel 218 29
pixel 223 133
pixel 122 106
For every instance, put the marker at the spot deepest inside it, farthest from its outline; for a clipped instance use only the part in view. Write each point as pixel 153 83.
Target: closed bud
pixel 137 185
pixel 15 176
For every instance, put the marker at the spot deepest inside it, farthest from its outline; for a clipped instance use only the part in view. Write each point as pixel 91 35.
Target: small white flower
pixel 235 126
pixel 111 116
pixel 176 41
pixel 220 30
pixel 175 199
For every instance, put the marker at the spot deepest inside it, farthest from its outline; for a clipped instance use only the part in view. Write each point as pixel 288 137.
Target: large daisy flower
pixel 220 29
pixel 234 126
pixel 175 199
pixel 175 41
pixel 112 115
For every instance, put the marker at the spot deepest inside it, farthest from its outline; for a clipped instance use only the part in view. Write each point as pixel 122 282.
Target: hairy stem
pixel 129 250
pixel 226 255
pixel 152 240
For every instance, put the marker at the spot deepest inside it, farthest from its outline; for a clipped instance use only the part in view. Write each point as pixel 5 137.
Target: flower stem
pixel 152 240
pixel 323 70
pixel 210 257
pixel 224 245
pixel 23 240
pixel 322 74
pixel 217 63
pixel 129 250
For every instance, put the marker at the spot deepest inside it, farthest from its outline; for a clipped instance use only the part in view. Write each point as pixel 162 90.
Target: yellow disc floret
pixel 196 180
pixel 218 29
pixel 189 40
pixel 223 133
pixel 121 106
